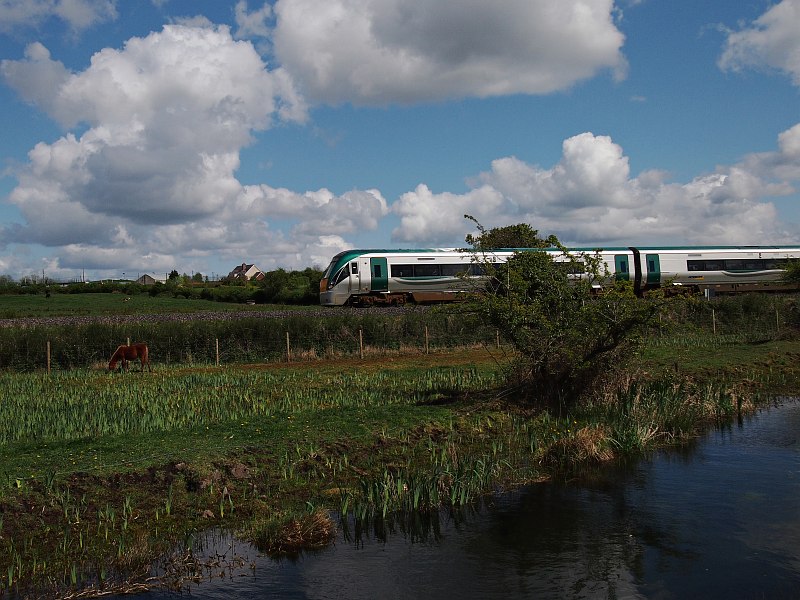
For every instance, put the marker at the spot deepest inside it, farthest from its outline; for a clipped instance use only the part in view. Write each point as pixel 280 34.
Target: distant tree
pixel 173 275
pixel 7 283
pixel 197 278
pixel 568 338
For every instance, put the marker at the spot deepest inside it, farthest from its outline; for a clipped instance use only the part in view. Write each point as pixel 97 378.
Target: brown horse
pixel 124 354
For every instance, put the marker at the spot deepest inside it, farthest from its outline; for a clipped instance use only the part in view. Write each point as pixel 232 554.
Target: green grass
pixel 24 306
pixel 95 422
pixel 705 353
pixel 102 473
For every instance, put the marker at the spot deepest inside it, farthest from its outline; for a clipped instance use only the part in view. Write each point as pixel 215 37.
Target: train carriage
pixel 382 276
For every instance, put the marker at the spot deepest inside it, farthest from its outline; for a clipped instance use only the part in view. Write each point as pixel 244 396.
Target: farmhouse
pixel 148 280
pixel 246 272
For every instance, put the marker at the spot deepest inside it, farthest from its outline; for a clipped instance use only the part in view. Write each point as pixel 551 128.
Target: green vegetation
pixel 101 474
pixel 195 339
pixel 17 306
pixel 277 287
pixel 569 339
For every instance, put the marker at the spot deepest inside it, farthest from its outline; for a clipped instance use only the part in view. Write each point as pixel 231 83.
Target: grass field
pixel 102 473
pixel 18 306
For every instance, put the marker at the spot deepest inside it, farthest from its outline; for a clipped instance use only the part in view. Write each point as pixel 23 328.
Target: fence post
pixel 497 338
pixel 288 349
pixel 777 320
pixel 714 321
pixel 129 341
pixel 48 357
pixel 216 346
pixel 361 342
pixel 427 346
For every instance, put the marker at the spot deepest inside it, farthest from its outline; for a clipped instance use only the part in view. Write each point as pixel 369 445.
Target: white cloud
pixel 152 175
pixel 773 41
pixel 315 212
pixel 590 197
pixel 36 77
pixel 77 14
pixel 167 116
pixel 252 24
pixel 394 51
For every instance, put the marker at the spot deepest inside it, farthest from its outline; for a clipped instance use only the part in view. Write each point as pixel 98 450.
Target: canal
pixel 718 519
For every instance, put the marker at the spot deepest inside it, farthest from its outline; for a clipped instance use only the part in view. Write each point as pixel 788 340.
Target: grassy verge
pixel 101 474
pixel 98 305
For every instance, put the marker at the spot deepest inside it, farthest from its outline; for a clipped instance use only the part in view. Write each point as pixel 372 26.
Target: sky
pixel 142 136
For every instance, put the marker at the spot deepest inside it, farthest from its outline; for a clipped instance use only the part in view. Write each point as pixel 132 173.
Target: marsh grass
pixel 102 474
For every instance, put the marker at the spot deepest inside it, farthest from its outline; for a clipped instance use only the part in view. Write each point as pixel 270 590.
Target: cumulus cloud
pixel 590 197
pixel 771 42
pixel 152 176
pixel 252 24
pixel 353 211
pixel 374 52
pixel 165 118
pixel 77 14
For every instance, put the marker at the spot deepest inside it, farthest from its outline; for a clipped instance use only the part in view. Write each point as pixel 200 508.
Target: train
pixel 436 275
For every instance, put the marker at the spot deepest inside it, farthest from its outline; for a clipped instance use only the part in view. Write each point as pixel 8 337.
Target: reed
pixel 79 404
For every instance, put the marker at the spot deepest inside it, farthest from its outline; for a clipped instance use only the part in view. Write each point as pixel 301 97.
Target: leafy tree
pixel 520 235
pixel 569 338
pixel 792 274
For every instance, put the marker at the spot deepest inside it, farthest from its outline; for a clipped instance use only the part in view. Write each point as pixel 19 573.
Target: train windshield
pixel 343 273
pixel 327 274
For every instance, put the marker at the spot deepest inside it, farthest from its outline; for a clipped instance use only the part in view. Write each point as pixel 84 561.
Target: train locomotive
pixel 394 277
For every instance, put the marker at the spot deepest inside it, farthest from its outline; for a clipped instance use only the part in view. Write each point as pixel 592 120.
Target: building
pixel 246 272
pixel 148 280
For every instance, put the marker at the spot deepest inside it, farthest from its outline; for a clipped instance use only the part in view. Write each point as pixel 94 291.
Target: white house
pixel 246 272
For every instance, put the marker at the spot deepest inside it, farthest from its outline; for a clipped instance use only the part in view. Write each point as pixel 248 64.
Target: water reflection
pixel 719 520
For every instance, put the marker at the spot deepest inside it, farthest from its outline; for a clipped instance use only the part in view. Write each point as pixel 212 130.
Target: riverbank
pixel 275 451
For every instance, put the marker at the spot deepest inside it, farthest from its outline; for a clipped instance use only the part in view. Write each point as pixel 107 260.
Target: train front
pixel 334 287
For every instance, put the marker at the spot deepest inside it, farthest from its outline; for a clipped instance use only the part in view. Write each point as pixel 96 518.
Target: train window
pixel 573 267
pixel 731 264
pixel 354 268
pixel 343 273
pixel 744 264
pixel 477 269
pixel 426 270
pixel 378 271
pixel 402 270
pixel 623 266
pixel 774 263
pixel 651 265
pixel 454 270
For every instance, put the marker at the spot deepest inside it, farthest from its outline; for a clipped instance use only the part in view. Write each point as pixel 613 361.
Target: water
pixel 718 520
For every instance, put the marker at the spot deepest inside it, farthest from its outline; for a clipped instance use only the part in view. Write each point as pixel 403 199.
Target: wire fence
pixel 301 337
pixel 244 341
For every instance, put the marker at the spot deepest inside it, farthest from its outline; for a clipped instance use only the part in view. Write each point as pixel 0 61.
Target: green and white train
pixel 394 277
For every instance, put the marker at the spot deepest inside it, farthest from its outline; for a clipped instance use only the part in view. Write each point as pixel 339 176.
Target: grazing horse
pixel 124 354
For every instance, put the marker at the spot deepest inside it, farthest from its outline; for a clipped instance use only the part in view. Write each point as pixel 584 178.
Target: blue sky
pixel 151 135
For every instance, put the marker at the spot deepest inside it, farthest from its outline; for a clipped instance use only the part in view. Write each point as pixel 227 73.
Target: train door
pixel 622 267
pixel 355 278
pixel 653 270
pixel 380 274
